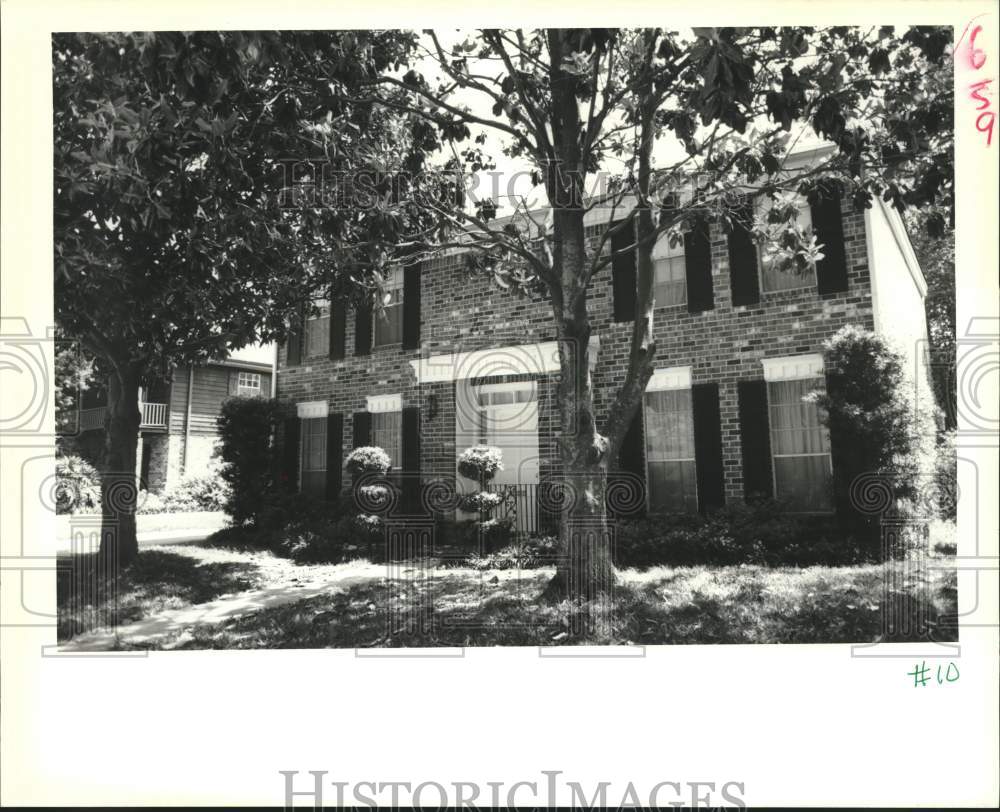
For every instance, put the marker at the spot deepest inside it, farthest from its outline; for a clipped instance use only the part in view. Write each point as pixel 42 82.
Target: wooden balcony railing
pixel 154 416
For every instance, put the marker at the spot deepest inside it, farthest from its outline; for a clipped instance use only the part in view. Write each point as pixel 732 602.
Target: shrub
pixel 739 534
pixel 208 491
pixel 246 425
pixel 367 459
pixel 480 463
pixel 481 501
pixel 872 419
pixel 520 555
pixel 78 486
pixel 946 477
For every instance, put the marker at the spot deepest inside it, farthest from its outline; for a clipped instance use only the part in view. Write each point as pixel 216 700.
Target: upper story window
pixel 772 276
pixel 669 272
pixel 316 340
pixel 800 445
pixel 248 384
pixel 389 322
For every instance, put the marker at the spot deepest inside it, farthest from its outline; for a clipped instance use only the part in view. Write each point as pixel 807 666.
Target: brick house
pixel 454 361
pixel 178 431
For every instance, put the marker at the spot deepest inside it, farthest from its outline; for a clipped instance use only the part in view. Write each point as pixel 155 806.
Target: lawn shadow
pixel 87 598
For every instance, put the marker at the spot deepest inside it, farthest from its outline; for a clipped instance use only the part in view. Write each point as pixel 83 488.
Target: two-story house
pixel 453 361
pixel 178 432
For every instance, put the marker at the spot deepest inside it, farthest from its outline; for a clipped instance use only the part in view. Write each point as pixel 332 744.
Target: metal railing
pixel 521 506
pixel 154 416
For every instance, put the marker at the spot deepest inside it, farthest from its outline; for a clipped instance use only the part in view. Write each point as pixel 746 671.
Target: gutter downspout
pixel 274 372
pixel 187 419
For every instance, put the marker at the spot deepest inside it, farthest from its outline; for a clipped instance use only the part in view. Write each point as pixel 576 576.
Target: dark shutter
pixel 623 275
pixel 632 460
pixel 743 276
pixel 290 456
pixel 293 357
pixel 411 307
pixel 334 455
pixel 338 330
pixel 831 271
pixel 363 329
pixel 234 381
pixel 362 429
pixel 708 446
pixel 698 267
pixel 755 438
pixel 410 443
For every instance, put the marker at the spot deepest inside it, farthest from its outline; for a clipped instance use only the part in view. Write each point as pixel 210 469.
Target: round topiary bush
pixel 480 463
pixel 367 459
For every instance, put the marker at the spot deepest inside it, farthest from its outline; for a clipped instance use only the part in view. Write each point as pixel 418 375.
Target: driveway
pixel 153 529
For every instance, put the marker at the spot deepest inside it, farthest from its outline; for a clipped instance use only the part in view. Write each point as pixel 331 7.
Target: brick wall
pixel 459 313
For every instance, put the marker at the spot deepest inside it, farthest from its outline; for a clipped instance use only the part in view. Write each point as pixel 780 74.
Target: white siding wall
pixel 898 291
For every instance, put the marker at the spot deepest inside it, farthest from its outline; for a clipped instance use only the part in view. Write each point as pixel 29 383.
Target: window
pixel 248 384
pixel 772 276
pixel 317 333
pixel 669 272
pixel 670 462
pixel 387 433
pixel 800 446
pixel 389 322
pixel 504 410
pixel 314 455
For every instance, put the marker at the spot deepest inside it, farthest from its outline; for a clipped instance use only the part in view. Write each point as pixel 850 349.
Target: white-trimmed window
pixel 316 341
pixel 669 272
pixel 671 473
pixel 248 384
pixel 389 321
pixel 800 443
pixel 772 277
pixel 496 417
pixel 387 426
pixel 313 479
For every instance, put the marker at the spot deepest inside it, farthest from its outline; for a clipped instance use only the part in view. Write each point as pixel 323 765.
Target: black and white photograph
pixel 505 337
pixel 596 345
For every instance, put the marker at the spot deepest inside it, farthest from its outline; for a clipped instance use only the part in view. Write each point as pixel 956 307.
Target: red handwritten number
pixel 974 91
pixel 976 56
pixel 987 118
pixel 990 118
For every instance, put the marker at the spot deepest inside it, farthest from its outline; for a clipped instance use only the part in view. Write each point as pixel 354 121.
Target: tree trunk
pixel 119 545
pixel 585 572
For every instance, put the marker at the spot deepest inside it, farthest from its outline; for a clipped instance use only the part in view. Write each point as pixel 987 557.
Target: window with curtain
pixel 313 455
pixel 800 447
pixel 389 322
pixel 669 273
pixel 317 333
pixel 670 462
pixel 387 434
pixel 772 277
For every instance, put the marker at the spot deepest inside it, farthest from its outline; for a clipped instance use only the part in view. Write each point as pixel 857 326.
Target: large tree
pixel 174 240
pixel 570 103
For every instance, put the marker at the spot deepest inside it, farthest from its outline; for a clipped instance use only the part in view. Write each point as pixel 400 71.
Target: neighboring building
pixel 456 361
pixel 178 432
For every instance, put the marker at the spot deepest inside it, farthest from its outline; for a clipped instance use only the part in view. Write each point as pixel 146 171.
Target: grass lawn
pixel 162 578
pixel 452 607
